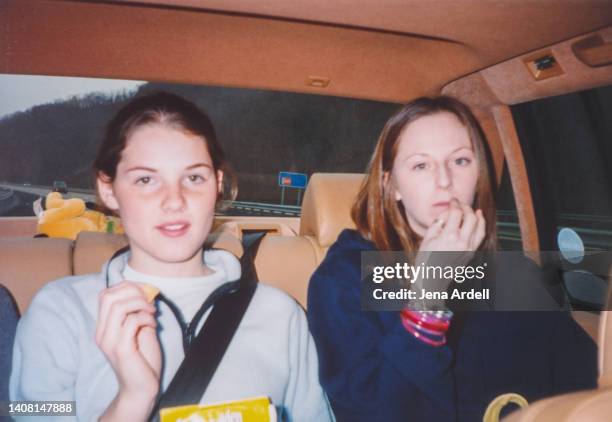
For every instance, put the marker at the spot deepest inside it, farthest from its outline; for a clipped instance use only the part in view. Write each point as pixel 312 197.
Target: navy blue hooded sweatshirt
pixel 373 370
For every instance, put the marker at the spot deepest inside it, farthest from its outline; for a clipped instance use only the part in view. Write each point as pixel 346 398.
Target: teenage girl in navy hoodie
pixel 429 188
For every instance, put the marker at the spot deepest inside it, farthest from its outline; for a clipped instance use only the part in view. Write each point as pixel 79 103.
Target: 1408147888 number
pixel 39 408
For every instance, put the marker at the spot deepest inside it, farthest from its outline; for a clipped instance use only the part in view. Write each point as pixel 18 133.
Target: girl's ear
pixel 219 181
pixel 390 186
pixel 107 193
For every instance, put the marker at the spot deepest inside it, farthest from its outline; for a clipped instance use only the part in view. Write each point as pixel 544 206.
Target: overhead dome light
pixel 543 65
pixel 317 81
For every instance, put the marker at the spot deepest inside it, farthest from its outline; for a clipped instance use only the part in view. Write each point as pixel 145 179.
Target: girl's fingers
pixel 435 229
pixel 118 311
pixel 479 231
pixel 123 291
pixel 128 336
pixel 149 348
pixel 455 216
pixel 470 220
pixel 107 297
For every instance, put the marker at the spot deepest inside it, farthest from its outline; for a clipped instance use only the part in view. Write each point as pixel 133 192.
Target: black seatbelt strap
pixel 205 353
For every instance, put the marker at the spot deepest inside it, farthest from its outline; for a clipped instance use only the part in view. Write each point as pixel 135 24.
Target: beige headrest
pixel 326 210
pixel 92 250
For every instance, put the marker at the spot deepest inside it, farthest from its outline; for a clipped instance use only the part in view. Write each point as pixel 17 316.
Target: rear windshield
pixel 273 140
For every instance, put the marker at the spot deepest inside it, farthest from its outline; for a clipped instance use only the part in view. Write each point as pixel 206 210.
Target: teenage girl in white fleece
pixel 97 340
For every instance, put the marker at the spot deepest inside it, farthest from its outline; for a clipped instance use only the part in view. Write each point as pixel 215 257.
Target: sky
pixel 20 92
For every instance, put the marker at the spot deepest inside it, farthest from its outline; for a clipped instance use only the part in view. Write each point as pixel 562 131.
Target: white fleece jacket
pixel 272 353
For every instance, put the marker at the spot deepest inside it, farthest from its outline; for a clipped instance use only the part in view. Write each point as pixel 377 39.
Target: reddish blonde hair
pixel 380 217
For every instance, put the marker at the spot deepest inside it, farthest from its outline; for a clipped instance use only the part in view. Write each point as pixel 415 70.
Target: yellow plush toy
pixel 68 217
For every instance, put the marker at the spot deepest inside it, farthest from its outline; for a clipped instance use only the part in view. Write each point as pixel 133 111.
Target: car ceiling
pixel 384 50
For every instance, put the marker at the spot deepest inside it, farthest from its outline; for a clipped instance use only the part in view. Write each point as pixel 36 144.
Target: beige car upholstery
pixel 284 261
pixel 591 406
pixel 326 210
pixel 287 262
pixel 27 263
pixel 92 250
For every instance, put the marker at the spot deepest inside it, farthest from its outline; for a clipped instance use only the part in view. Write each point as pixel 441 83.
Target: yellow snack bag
pixel 256 409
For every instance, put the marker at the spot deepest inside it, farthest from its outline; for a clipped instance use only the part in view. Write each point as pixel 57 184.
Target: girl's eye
pixel 145 180
pixel 462 161
pixel 419 166
pixel 196 178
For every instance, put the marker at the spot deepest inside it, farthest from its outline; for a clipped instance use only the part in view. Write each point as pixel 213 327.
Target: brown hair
pixel 380 217
pixel 166 109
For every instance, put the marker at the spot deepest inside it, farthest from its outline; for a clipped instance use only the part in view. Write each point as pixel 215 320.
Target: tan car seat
pixel 287 262
pixel 26 264
pixel 92 249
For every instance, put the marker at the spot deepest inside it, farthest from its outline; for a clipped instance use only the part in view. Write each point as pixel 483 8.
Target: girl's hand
pixel 126 333
pixel 458 229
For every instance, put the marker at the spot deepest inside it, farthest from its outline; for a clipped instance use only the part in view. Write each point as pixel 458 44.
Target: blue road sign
pixel 292 180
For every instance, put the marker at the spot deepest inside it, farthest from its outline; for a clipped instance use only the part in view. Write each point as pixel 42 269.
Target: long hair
pixel 379 217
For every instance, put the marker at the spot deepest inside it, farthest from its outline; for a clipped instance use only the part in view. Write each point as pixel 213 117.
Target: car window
pixel 567 149
pixel 568 154
pixel 273 140
pixel 508 228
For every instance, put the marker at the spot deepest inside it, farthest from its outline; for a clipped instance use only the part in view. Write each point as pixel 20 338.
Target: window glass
pixel 566 142
pixel 567 146
pixel 263 133
pixel 508 229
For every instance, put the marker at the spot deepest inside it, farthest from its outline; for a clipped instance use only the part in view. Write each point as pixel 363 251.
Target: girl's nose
pixel 174 199
pixel 444 177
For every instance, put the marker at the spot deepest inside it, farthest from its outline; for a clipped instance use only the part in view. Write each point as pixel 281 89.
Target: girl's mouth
pixel 442 204
pixel 174 229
